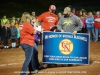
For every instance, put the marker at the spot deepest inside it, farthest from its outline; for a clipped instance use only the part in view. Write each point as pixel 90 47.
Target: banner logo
pixel 66 46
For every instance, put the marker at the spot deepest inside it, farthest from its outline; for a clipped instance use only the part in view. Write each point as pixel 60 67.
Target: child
pixel 16 24
pixel 13 36
pixel 37 39
pixel 18 32
pixel 84 24
pixel 38 29
pixel 18 37
pixel 37 35
pixel 6 35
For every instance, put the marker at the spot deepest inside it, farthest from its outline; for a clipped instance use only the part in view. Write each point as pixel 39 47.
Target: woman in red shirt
pixel 27 41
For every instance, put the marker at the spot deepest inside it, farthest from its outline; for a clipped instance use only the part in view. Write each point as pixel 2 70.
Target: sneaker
pixel 49 65
pixel 45 66
pixel 35 71
pixel 40 67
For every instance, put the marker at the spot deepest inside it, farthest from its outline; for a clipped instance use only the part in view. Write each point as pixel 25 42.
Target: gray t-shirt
pixel 69 24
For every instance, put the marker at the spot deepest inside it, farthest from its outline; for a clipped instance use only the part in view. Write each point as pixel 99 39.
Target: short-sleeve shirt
pixel 26 34
pixel 48 20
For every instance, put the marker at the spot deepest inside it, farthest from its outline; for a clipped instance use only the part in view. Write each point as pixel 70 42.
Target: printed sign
pixel 65 48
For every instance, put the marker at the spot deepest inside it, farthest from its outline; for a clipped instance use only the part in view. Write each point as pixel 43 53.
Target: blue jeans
pixel 91 32
pixel 28 56
pixel 34 63
pixel 36 56
pixel 97 32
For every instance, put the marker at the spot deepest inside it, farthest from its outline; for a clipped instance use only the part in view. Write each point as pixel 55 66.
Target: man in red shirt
pixel 48 18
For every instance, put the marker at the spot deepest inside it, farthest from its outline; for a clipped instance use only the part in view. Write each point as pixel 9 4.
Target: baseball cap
pixel 66 9
pixel 52 7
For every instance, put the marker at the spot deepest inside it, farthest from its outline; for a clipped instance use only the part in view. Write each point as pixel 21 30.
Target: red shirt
pixel 97 22
pixel 48 20
pixel 26 34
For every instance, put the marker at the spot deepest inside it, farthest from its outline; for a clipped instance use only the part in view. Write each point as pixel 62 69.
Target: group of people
pixel 69 21
pixel 9 30
pixel 91 23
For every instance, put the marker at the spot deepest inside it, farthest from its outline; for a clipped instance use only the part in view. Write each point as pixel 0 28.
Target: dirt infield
pixel 11 62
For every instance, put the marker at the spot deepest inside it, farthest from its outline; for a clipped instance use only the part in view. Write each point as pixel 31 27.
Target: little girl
pixel 6 35
pixel 13 36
